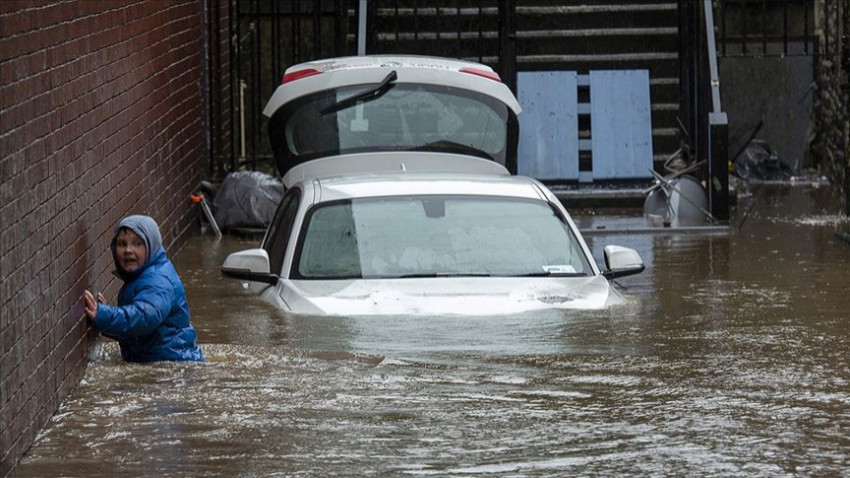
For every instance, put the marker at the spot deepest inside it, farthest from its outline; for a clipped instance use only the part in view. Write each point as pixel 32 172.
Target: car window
pixel 406 117
pixel 279 231
pixel 437 236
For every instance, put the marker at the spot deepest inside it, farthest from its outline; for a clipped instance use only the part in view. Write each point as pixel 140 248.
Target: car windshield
pixel 437 236
pixel 397 116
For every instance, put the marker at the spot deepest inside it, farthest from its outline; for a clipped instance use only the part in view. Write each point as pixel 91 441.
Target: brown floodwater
pixel 730 357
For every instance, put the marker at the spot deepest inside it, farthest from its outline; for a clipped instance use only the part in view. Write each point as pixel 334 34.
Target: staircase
pixel 578 35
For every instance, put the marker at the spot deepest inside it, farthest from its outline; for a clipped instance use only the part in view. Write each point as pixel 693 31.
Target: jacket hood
pixel 146 228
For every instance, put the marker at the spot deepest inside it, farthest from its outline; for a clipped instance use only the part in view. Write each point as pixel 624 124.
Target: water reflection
pixel 729 358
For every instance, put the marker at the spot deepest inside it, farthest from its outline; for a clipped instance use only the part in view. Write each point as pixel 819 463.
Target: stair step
pixel 595 35
pixel 557 8
pixel 604 7
pixel 610 58
pixel 529 34
pixel 598 32
pixel 561 17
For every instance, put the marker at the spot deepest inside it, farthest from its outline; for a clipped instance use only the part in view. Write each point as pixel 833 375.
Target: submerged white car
pixel 399 200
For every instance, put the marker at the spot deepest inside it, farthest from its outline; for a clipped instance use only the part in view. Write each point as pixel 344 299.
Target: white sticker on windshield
pixel 560 269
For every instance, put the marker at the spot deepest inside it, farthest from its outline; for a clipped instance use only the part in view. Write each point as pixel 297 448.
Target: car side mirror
pixel 251 265
pixel 621 262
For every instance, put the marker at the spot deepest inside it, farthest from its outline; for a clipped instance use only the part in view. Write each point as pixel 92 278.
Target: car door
pixel 280 233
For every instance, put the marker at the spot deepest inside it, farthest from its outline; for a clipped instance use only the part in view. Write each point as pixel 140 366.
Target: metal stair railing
pixel 718 129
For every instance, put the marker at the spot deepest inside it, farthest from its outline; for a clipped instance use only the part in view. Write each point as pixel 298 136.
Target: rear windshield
pixel 403 117
pixel 437 236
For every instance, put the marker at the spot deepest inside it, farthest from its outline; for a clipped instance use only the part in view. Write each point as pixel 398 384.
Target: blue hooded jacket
pixel 151 321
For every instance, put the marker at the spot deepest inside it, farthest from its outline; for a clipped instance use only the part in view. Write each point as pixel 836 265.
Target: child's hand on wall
pixel 90 303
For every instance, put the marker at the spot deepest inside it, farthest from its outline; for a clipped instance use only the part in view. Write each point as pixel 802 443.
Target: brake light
pixel 485 73
pixel 297 75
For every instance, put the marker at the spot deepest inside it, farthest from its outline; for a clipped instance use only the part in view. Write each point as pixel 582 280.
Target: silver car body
pixel 441 281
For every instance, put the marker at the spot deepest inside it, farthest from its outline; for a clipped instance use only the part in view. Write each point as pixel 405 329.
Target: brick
pixel 102 99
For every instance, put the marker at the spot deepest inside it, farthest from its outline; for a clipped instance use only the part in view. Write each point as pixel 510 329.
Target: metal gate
pixel 268 37
pixel 271 35
pixel 766 28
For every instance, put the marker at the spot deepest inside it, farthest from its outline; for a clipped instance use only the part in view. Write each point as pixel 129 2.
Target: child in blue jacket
pixel 151 321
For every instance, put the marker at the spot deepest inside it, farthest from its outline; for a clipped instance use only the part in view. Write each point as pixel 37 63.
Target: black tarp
pixel 247 199
pixel 759 162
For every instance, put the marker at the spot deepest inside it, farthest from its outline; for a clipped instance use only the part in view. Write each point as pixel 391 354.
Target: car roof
pixel 388 162
pixel 311 77
pixel 423 183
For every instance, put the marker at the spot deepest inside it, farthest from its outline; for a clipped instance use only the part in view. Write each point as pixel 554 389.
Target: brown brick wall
pixel 101 115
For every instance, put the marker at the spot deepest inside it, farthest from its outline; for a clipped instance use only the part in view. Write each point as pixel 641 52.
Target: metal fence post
pixel 507 43
pixel 687 69
pixel 362 10
pixel 718 131
pixel 718 166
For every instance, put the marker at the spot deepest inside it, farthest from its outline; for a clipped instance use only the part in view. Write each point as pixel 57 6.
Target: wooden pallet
pixel 618 143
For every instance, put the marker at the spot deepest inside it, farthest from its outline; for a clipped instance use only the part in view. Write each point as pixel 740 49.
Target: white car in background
pixel 400 201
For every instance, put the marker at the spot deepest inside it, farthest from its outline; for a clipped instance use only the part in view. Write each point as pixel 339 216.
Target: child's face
pixel 130 250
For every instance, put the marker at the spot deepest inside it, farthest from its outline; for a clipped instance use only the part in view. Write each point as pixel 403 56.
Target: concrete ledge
pixel 702 230
pixel 585 198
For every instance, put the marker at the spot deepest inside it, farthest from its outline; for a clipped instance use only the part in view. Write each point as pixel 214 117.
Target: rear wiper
pixel 368 95
pixel 451 146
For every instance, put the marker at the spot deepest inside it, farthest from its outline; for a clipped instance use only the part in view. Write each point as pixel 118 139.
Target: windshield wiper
pixel 435 274
pixel 368 95
pixel 551 274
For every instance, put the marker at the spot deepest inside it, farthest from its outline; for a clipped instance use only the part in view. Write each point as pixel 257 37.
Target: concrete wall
pixel 101 115
pixel 775 90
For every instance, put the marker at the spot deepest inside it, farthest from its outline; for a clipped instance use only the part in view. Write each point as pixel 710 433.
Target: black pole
pixel 716 138
pixel 846 62
pixel 687 72
pixel 317 30
pixel 257 81
pixel 371 28
pixel 718 183
pixel 340 17
pixel 277 70
pixel 236 77
pixel 507 43
pixel 701 88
